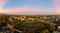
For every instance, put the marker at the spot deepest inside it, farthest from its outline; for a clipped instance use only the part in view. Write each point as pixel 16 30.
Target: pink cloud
pixel 28 11
pixel 56 3
pixel 2 2
pixel 57 12
pixel 57 7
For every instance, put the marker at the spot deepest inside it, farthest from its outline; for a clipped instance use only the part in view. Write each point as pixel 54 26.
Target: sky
pixel 30 7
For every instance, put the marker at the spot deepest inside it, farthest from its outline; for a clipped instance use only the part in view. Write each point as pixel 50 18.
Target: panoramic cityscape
pixel 29 24
pixel 29 16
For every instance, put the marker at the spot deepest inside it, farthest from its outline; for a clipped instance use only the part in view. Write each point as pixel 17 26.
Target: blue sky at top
pixel 45 4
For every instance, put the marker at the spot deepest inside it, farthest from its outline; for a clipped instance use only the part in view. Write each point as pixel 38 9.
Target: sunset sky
pixel 30 7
